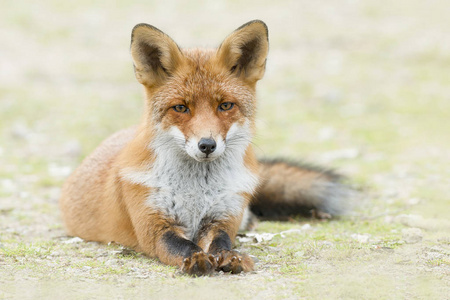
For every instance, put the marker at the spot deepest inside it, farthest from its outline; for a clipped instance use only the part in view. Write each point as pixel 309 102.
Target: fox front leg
pixel 172 248
pixel 219 243
pixel 160 236
pixel 191 258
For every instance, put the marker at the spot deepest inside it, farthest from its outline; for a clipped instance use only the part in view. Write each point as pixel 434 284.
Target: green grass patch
pixel 32 250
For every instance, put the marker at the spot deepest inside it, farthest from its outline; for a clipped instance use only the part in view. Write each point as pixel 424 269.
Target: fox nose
pixel 207 146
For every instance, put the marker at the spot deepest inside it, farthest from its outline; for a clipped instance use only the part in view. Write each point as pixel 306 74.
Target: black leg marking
pixel 177 245
pixel 221 242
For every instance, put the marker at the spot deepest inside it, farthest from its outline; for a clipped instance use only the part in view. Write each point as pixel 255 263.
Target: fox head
pixel 201 101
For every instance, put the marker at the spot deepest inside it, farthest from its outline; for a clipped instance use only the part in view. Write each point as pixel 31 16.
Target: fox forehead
pixel 202 81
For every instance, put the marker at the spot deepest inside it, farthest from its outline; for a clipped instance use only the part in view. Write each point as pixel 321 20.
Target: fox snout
pixel 205 148
pixel 207 145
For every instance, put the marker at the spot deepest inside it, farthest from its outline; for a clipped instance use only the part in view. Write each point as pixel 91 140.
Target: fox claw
pixel 230 261
pixel 199 264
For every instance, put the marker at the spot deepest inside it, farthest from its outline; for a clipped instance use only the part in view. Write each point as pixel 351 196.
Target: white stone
pixel 412 235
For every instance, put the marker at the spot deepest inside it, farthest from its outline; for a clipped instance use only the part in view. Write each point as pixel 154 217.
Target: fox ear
pixel 155 55
pixel 244 52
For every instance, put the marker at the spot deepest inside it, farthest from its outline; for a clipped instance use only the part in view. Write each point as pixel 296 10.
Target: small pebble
pixel 412 235
pixel 362 238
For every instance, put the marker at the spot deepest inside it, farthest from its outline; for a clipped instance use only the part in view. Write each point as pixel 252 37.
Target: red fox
pixel 181 184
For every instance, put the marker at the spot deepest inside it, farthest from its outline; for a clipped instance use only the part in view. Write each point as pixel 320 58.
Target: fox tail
pixel 289 189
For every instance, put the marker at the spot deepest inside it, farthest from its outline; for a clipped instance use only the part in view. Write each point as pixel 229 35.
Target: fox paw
pixel 199 264
pixel 234 262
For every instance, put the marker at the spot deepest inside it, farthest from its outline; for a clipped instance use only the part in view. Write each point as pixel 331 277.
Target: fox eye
pixel 226 106
pixel 180 108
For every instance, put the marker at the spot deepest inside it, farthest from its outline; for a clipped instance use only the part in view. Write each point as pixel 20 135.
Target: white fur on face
pixel 191 191
pixel 178 137
pixel 236 134
pixel 194 152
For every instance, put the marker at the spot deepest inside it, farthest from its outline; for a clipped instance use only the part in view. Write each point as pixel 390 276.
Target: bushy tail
pixel 289 189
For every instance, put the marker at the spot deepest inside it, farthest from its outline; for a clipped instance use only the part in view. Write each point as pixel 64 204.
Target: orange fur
pixel 159 189
pixel 98 202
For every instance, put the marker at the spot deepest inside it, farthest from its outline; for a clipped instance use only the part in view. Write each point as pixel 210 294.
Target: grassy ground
pixel 362 86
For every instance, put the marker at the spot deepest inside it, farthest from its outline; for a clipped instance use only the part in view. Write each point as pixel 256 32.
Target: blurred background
pixel 361 86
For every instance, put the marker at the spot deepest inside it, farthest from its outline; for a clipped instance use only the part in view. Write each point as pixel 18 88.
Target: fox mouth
pixel 205 149
pixel 206 158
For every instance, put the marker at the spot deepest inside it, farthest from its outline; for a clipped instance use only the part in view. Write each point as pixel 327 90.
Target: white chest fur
pixel 195 190
pixel 190 191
